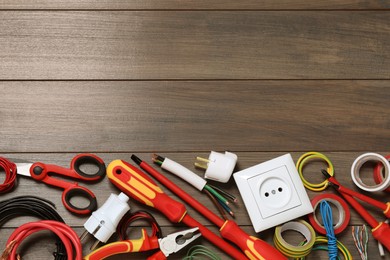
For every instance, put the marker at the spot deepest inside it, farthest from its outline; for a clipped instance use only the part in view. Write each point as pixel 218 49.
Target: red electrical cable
pixel 65 233
pixel 10 175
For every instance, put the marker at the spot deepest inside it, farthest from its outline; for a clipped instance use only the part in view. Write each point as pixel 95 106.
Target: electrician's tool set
pixel 274 194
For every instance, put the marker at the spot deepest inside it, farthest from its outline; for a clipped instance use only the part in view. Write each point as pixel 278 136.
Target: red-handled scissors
pixel 42 172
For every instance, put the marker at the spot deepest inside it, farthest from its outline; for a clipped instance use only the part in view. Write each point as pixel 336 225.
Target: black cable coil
pixel 36 207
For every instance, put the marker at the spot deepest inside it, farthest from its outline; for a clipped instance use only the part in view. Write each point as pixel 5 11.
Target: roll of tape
pixel 344 214
pixel 358 163
pixel 378 177
pixel 323 240
pixel 295 251
pixel 310 156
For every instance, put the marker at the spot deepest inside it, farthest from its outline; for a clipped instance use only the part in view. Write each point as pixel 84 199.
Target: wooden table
pixel 258 78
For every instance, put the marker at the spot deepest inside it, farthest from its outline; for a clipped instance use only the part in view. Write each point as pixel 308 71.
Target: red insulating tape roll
pixel 343 210
pixel 378 178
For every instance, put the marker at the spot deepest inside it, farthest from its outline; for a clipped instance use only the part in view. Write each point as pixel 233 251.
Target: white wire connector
pixel 103 222
pixel 219 167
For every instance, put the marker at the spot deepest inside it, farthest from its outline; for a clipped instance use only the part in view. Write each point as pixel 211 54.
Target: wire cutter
pixel 380 230
pixel 167 245
pixel 42 172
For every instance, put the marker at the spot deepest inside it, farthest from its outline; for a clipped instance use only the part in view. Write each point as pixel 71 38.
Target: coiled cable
pixel 67 235
pixel 323 240
pixel 327 219
pixel 10 175
pixel 35 207
pixel 139 215
pixel 309 157
pixel 200 252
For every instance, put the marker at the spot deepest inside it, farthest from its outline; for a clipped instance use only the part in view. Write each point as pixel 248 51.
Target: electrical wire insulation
pixel 327 218
pixel 192 178
pixel 318 245
pixel 228 195
pixel 35 207
pixel 140 215
pixel 360 238
pixel 311 156
pixel 200 252
pixel 67 235
pixel 217 205
pixel 10 175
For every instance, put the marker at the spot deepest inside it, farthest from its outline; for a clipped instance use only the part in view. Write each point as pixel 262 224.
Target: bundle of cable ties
pixel 35 207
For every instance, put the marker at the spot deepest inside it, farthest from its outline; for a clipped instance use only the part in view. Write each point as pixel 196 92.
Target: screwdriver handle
pixel 139 186
pixel 254 248
pixel 382 234
pixel 145 243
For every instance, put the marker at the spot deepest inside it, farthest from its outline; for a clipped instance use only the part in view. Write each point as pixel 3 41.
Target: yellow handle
pixel 137 245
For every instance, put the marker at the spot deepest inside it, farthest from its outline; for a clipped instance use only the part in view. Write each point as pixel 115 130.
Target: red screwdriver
pixel 139 186
pixel 253 247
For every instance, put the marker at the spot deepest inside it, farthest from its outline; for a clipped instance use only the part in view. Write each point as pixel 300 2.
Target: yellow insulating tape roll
pixel 310 156
pixel 323 240
pixel 289 250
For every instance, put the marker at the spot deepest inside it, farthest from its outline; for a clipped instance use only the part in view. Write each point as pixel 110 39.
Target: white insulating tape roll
pixel 295 251
pixel 358 163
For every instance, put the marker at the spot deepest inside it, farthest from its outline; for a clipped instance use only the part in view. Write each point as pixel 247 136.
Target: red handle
pixel 79 191
pixel 159 255
pixel 253 247
pixel 382 234
pixel 87 158
pixel 145 243
pixel 139 186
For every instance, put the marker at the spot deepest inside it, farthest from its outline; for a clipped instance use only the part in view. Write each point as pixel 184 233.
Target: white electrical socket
pixel 273 192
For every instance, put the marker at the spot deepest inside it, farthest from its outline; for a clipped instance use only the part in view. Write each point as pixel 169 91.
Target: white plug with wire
pixel 219 167
pixel 103 222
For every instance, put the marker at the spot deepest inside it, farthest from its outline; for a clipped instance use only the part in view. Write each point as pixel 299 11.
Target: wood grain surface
pixel 182 78
pixel 195 45
pixel 122 116
pixel 194 4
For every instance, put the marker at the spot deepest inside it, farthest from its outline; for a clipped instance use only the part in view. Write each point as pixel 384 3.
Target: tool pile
pixel 271 192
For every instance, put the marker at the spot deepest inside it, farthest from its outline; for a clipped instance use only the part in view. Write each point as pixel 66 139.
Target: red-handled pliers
pixel 167 245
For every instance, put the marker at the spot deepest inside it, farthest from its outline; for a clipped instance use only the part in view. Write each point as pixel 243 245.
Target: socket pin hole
pixel 273 191
pixel 266 194
pixel 280 189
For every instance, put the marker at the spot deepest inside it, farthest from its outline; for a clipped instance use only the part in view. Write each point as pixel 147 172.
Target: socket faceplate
pixel 273 193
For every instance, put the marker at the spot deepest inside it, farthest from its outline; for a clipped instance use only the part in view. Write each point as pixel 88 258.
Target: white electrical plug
pixel 103 222
pixel 219 167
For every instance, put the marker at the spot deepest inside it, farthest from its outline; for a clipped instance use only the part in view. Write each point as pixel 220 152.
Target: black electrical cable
pixel 140 215
pixel 36 207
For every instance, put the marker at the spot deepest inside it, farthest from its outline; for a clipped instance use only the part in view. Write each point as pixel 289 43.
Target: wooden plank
pixel 120 116
pixel 193 4
pixel 195 45
pixel 341 160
